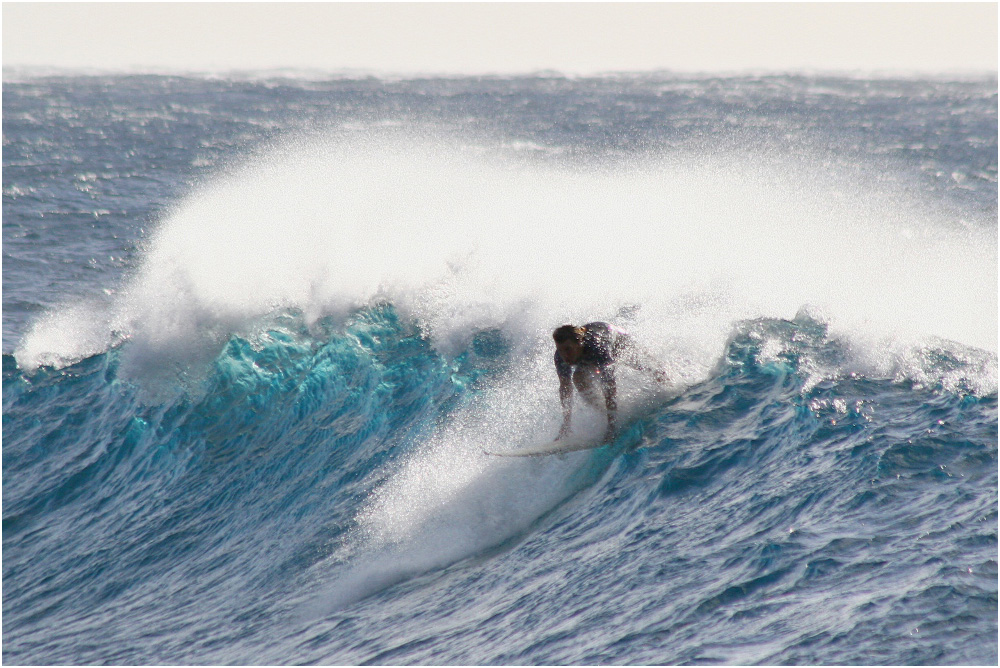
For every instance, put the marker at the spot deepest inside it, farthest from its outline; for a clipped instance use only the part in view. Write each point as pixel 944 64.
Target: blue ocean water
pixel 258 331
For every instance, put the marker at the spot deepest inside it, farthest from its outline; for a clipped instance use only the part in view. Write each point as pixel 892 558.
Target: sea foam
pixel 462 238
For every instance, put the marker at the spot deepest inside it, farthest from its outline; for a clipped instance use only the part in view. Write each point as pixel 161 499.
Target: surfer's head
pixel 569 342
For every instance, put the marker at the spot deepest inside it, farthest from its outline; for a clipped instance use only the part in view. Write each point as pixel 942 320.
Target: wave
pixel 388 303
pixel 463 239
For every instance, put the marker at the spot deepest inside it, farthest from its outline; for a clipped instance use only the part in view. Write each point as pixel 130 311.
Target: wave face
pixel 257 335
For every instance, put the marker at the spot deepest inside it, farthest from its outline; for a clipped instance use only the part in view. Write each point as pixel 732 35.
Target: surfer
pixel 594 349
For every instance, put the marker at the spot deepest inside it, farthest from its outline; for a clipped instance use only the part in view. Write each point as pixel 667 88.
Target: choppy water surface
pixel 257 333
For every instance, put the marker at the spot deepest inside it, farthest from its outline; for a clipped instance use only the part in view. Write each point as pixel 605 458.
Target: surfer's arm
pixel 566 401
pixel 565 373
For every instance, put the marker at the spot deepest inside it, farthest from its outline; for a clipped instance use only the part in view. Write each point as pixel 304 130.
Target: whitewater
pixel 258 332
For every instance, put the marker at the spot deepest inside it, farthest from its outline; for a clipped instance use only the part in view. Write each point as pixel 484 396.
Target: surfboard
pixel 557 447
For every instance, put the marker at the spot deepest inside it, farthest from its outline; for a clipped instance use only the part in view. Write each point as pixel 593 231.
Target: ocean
pixel 259 329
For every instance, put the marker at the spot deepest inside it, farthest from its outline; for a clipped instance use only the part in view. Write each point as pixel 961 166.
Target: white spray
pixel 462 242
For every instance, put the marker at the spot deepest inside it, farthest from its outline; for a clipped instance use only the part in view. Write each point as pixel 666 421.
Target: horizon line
pixel 347 73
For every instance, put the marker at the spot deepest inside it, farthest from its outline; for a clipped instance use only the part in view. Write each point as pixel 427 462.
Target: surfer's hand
pixel 563 432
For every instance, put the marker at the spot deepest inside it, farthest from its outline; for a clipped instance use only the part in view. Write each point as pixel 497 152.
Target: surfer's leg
pixel 589 386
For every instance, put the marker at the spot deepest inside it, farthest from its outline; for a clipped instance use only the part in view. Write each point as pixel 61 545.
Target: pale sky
pixel 504 38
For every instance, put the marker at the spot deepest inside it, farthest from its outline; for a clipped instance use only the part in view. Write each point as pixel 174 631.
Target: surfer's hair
pixel 568 332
